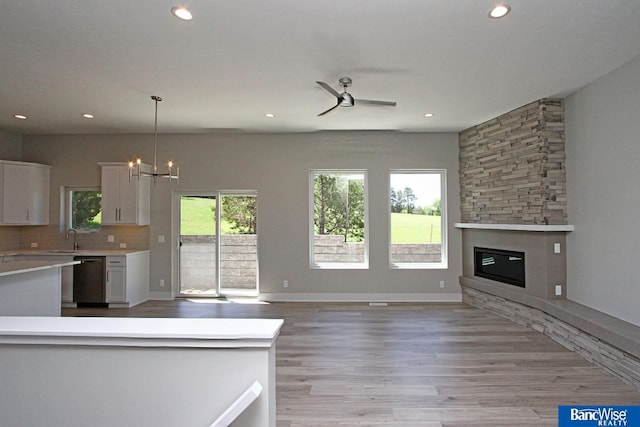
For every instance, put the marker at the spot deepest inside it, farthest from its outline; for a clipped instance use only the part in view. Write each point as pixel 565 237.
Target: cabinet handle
pixel 27 214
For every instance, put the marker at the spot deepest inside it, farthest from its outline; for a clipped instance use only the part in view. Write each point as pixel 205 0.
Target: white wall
pixel 603 190
pixel 277 166
pixel 10 146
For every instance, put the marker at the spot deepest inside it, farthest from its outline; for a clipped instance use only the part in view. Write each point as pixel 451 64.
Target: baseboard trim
pixel 356 297
pixel 160 296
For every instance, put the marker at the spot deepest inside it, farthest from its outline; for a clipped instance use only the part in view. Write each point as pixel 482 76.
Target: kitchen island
pixel 31 288
pixel 126 278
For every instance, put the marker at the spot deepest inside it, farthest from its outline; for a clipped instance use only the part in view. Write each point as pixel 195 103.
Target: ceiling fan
pixel 345 99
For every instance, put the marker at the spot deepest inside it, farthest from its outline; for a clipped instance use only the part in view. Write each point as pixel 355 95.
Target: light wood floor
pixel 410 365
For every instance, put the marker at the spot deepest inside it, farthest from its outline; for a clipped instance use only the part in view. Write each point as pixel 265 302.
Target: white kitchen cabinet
pixel 25 193
pixel 124 201
pixel 127 281
pixel 116 279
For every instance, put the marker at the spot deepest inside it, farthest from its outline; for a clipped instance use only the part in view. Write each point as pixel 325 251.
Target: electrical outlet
pixel 162 283
pixel 285 283
pixel 161 238
pixel 34 244
pixel 111 238
pixel 558 290
pixel 442 283
pixel 556 248
pixel 123 245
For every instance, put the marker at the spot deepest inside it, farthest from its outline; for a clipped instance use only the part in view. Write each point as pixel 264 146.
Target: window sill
pixel 340 266
pixel 420 266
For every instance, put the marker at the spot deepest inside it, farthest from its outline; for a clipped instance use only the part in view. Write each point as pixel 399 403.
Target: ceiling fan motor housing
pixel 346 100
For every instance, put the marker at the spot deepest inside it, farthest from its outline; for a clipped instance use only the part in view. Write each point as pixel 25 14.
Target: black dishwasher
pixel 89 281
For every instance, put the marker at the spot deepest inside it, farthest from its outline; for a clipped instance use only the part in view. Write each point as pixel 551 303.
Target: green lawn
pixel 197 218
pixel 406 228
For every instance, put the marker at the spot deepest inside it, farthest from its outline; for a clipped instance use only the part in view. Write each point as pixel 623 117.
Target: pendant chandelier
pixel 135 168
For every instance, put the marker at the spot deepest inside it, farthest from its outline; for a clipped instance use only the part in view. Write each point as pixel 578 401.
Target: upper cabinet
pixel 25 193
pixel 124 201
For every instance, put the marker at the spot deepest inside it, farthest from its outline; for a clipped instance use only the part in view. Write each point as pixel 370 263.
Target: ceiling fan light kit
pixel 345 99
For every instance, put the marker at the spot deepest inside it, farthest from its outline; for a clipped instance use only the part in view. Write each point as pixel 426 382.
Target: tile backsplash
pixel 50 237
pixel 9 238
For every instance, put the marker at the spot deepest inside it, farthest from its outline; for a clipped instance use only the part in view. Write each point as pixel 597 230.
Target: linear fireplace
pixel 500 265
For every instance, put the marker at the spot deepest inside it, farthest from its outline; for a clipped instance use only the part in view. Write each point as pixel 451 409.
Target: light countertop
pixel 140 332
pixel 20 267
pixel 64 252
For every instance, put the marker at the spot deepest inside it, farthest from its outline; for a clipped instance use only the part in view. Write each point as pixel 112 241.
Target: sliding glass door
pixel 217 244
pixel 197 245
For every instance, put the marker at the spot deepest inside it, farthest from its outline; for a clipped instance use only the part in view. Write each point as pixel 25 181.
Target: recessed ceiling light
pixel 182 13
pixel 429 115
pixel 20 116
pixel 270 115
pixel 88 116
pixel 499 11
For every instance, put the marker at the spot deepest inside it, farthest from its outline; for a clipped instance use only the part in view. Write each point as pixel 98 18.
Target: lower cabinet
pixel 127 281
pixel 116 279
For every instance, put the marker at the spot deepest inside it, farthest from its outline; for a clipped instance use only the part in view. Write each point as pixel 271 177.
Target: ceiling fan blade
pixel 325 112
pixel 329 89
pixel 371 102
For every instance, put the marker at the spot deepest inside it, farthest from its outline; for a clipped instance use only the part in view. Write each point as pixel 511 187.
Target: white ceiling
pixel 239 59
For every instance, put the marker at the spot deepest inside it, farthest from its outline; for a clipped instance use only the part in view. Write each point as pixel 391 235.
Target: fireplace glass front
pixel 500 265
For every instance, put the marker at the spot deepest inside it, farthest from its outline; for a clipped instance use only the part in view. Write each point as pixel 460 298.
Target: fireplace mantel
pixel 515 227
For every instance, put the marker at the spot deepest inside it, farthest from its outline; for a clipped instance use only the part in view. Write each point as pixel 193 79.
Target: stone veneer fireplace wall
pixel 512 172
pixel 512 168
pixel 513 197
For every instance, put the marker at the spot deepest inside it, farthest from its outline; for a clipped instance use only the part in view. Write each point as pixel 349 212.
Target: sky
pixel 425 186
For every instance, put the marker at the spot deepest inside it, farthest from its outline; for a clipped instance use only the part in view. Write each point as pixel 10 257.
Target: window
pixel 84 209
pixel 417 219
pixel 338 231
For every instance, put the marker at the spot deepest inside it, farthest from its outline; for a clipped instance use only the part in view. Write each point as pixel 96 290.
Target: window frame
pixel 338 265
pixel 443 264
pixel 66 210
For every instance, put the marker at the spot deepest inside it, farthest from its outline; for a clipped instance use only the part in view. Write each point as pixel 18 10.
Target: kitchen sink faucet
pixel 75 241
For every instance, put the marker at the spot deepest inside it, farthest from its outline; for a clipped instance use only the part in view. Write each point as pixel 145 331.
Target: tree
pixel 403 200
pixel 397 200
pixel 85 206
pixel 339 206
pixel 409 199
pixel 240 212
pixel 356 210
pixel 435 209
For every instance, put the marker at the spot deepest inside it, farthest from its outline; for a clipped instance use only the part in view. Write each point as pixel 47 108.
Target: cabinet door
pixel 124 201
pixel 128 197
pixel 116 286
pixel 16 194
pixel 39 195
pixel 110 195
